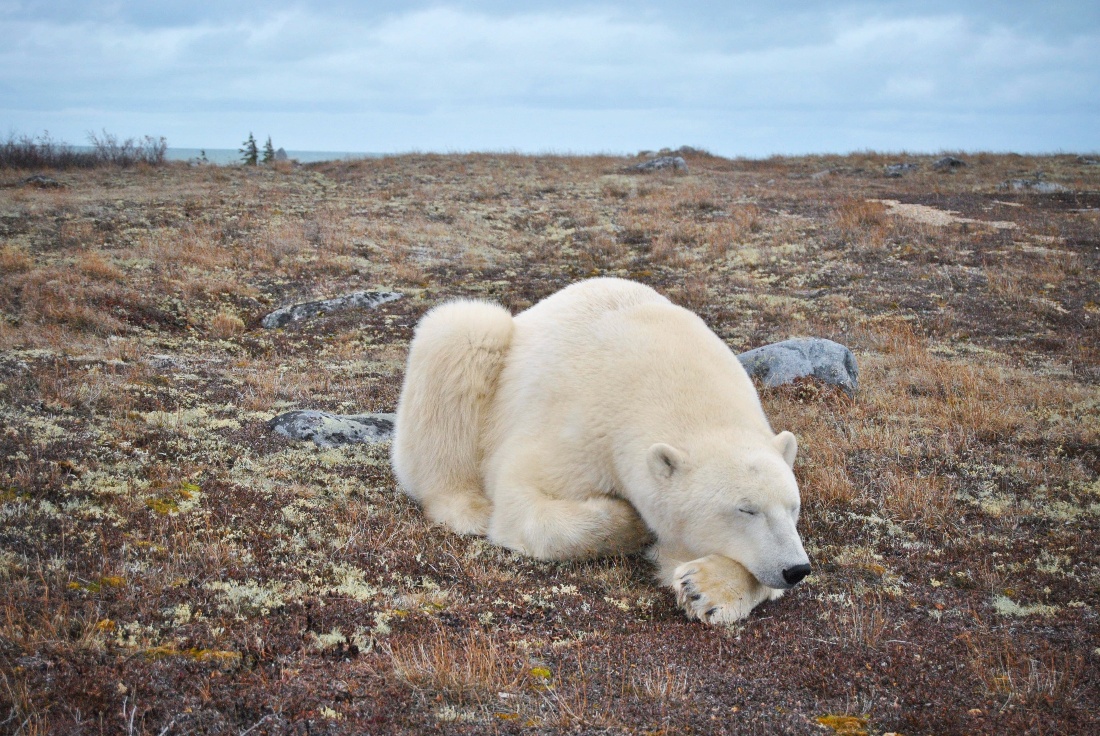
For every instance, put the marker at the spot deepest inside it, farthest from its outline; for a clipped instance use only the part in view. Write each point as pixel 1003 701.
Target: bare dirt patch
pixel 933 216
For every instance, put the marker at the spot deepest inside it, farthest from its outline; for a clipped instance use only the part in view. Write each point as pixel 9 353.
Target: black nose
pixel 794 574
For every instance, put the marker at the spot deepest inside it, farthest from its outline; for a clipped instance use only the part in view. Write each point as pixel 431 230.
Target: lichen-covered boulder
pixel 357 299
pixel 41 181
pixel 896 170
pixel 1034 185
pixel 332 430
pixel 662 162
pixel 783 362
pixel 774 364
pixel 948 163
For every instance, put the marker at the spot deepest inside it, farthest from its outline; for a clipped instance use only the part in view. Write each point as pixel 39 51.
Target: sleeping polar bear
pixel 597 419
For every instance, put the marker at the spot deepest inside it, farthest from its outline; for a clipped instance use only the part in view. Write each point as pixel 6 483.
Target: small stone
pixel 297 312
pixel 776 364
pixel 41 182
pixel 663 162
pixel 333 430
pixel 948 163
pixel 896 170
pixel 784 362
pixel 1033 185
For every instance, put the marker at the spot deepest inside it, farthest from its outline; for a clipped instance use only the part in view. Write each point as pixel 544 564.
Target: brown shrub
pixel 61 296
pixel 225 325
pixel 14 259
pixel 92 264
pixel 862 222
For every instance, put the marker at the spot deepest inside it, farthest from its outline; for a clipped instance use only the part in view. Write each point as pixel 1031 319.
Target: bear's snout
pixel 793 575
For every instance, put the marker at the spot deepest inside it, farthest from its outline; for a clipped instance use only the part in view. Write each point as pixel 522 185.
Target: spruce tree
pixel 269 152
pixel 250 154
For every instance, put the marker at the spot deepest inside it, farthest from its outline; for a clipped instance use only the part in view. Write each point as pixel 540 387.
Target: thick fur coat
pixel 599 421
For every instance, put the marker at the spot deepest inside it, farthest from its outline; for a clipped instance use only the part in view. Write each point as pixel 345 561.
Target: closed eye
pixel 750 512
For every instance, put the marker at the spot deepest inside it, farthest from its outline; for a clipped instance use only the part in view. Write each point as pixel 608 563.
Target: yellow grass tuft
pixel 224 325
pixel 14 259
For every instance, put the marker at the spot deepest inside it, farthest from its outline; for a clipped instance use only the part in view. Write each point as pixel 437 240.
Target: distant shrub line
pixel 43 152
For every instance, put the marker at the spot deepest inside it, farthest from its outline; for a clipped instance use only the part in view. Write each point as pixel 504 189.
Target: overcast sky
pixel 737 78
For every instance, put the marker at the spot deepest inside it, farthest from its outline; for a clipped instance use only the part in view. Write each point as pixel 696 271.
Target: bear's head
pixel 734 498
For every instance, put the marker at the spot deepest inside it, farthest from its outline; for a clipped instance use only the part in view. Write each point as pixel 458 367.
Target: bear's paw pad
pixel 709 598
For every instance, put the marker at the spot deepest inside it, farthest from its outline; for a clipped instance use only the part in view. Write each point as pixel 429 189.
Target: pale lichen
pixel 1005 606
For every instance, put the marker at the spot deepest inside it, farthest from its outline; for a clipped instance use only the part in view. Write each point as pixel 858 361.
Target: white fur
pixel 599 418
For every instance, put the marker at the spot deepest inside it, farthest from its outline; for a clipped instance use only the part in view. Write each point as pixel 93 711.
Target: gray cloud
pixel 575 77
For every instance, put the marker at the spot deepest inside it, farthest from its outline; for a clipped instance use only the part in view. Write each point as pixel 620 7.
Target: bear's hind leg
pixel 714 589
pixel 549 528
pixel 466 511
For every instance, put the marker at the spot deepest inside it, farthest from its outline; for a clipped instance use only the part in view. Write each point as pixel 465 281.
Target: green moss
pixel 845 725
pixel 164 505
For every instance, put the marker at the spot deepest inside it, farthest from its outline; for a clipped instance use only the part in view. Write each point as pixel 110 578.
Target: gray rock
pixel 1033 185
pixel 332 430
pixel 297 312
pixel 947 163
pixel 895 170
pixel 774 364
pixel 663 162
pixel 280 154
pixel 783 362
pixel 1088 161
pixel 41 181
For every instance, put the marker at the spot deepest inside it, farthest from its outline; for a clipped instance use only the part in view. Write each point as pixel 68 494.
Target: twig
pixel 256 725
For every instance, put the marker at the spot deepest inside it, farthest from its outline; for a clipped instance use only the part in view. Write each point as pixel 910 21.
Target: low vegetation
pixel 35 153
pixel 169 566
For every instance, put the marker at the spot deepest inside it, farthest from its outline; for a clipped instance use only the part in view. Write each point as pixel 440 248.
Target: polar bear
pixel 599 421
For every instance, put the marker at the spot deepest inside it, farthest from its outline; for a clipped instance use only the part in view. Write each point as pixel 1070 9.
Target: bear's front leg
pixel 538 525
pixel 718 590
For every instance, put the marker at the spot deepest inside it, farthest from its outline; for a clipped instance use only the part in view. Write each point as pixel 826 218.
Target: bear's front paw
pixel 717 590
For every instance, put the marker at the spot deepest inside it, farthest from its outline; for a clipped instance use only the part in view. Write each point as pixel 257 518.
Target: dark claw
pixel 711 611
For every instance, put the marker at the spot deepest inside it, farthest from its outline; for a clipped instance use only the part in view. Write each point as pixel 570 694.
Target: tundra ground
pixel 168 566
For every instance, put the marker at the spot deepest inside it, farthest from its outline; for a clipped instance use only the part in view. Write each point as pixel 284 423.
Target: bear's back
pixel 589 300
pixel 613 348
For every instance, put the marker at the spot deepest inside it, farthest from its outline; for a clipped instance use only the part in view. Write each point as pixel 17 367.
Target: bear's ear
pixel 664 460
pixel 787 445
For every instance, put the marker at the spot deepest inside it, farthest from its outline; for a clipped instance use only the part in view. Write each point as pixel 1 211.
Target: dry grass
pixel 861 621
pixel 661 685
pixel 15 260
pixel 1011 677
pixel 470 669
pixel 225 325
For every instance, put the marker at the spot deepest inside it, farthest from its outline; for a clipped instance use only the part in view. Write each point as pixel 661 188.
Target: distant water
pixel 233 156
